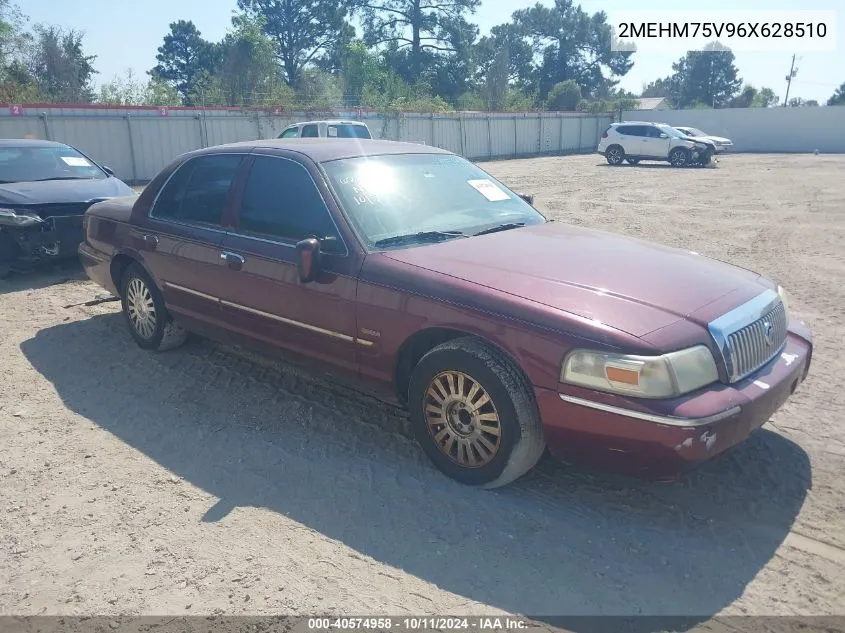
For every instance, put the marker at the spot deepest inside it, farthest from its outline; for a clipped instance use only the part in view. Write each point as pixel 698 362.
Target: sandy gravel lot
pixel 206 481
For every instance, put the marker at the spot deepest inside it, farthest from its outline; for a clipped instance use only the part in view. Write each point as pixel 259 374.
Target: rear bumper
pixel 669 437
pixel 97 266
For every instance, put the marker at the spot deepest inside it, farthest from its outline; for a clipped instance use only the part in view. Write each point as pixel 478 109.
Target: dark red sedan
pixel 416 273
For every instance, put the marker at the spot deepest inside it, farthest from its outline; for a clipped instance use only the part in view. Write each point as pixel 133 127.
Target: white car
pixel 721 143
pixel 327 129
pixel 633 141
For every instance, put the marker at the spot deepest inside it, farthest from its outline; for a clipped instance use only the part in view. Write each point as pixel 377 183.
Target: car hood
pixel 716 139
pixel 61 191
pixel 629 284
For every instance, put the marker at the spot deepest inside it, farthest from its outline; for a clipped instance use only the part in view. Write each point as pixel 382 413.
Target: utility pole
pixel 792 72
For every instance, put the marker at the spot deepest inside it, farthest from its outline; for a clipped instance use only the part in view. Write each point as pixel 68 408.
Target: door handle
pixel 150 242
pixel 232 260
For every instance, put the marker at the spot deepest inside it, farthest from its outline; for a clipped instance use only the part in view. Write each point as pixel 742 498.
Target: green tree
pixel 419 26
pixel 765 98
pixel 303 32
pixel 707 76
pixel 186 61
pixel 126 90
pixel 247 72
pixel 744 99
pixel 573 45
pixel 62 71
pixel 838 97
pixel 16 80
pixel 564 96
pixel 129 90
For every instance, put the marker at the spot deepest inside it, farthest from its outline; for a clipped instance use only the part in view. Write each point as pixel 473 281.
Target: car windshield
pixel 670 131
pixel 348 131
pixel 691 131
pixel 27 164
pixel 408 199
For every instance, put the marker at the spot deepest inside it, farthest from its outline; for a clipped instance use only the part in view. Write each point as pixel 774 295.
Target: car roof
pixel 639 123
pixel 327 149
pixel 329 122
pixel 28 142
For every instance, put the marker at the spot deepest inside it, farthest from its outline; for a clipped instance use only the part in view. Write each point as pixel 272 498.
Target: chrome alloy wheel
pixel 141 308
pixel 462 419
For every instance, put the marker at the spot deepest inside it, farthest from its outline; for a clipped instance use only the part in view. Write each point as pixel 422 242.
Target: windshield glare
pixel 27 164
pixel 691 131
pixel 401 194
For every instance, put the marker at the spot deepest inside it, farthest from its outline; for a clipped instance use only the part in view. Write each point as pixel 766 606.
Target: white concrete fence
pixel 137 142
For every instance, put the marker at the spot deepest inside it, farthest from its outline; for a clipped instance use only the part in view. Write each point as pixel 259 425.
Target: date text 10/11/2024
pixel 410 624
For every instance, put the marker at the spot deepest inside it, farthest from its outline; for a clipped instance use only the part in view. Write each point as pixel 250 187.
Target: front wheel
pixel 474 414
pixel 679 157
pixel 149 322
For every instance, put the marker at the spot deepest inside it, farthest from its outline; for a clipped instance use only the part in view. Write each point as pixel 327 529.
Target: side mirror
pixel 108 170
pixel 308 259
pixel 528 197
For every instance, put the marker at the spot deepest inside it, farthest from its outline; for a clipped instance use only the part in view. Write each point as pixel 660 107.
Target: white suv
pixel 634 141
pixel 327 129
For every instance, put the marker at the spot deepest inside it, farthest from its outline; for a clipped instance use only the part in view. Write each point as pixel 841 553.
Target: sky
pixel 124 35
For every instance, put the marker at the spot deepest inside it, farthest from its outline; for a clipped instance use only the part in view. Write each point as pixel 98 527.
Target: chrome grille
pixel 751 335
pixel 756 344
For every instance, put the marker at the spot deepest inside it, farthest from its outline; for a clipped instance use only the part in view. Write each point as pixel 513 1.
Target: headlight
pixel 10 217
pixel 784 299
pixel 666 376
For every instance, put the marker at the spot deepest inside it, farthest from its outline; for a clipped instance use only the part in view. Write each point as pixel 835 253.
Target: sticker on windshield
pixel 76 161
pixel 488 189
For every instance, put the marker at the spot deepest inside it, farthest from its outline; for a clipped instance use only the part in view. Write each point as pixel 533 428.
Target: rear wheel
pixel 149 322
pixel 679 157
pixel 614 155
pixel 474 414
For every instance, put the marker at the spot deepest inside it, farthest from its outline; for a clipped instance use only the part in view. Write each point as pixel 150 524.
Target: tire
pixel 147 318
pixel 633 161
pixel 679 157
pixel 459 436
pixel 706 158
pixel 614 155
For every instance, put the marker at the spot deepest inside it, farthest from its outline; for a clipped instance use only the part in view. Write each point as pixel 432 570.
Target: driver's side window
pixel 290 133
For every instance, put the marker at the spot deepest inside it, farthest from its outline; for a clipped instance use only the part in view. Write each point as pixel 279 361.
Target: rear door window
pixel 199 190
pixel 349 131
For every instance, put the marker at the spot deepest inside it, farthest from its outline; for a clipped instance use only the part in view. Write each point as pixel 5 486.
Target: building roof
pixel 650 103
pixel 325 149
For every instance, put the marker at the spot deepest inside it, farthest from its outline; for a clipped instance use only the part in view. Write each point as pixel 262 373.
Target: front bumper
pixel 662 438
pixel 57 237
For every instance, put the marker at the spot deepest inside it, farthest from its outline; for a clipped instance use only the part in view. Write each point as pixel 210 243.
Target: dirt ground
pixel 205 480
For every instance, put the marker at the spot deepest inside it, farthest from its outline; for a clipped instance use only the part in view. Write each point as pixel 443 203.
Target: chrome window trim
pixel 291 242
pixel 651 417
pixel 739 317
pixel 167 182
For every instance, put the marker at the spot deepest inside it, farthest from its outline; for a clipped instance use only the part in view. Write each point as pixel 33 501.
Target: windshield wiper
pixel 501 227
pixel 60 178
pixel 422 236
